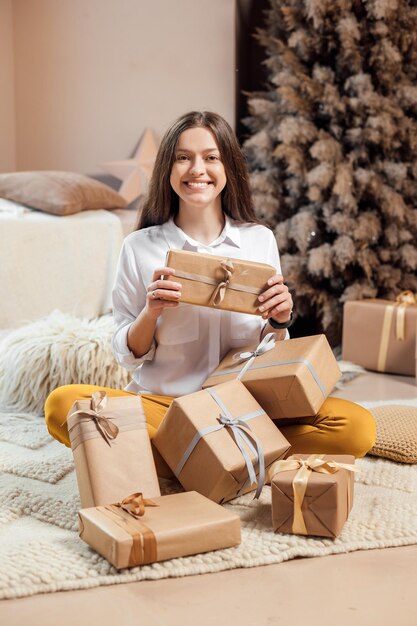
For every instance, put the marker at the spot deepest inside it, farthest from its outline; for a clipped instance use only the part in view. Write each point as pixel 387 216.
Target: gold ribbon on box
pixel 144 545
pixel 220 287
pixel 402 301
pixel 104 425
pixel 314 463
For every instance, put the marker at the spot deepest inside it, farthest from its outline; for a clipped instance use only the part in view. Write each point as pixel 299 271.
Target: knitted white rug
pixel 40 550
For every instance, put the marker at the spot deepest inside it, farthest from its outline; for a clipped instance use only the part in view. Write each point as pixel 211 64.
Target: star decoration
pixel 135 173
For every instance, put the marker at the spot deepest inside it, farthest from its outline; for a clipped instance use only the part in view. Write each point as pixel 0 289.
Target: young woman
pixel 199 200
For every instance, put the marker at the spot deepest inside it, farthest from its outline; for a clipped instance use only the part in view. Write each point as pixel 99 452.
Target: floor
pixel 372 588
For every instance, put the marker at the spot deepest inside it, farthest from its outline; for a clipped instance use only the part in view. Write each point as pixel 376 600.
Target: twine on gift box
pixel 241 432
pixel 314 463
pixel 98 403
pixel 402 301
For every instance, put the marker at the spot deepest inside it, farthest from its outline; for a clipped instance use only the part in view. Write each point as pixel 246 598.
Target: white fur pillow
pixel 56 350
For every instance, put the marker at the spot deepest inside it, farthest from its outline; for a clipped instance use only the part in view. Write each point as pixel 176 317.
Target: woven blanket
pixel 40 550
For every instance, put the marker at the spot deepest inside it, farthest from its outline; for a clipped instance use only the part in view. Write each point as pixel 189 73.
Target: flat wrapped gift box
pixel 200 442
pixel 220 282
pixel 181 524
pixel 380 335
pixel 292 379
pixel 327 501
pixel 107 468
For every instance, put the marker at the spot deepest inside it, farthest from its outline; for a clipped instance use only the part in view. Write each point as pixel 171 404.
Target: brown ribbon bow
pixel 218 294
pixel 135 504
pixel 98 403
pixel 314 463
pixel 144 544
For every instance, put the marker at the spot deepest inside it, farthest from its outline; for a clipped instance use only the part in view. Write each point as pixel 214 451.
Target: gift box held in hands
pixel 111 448
pixel 380 335
pixel 219 282
pixel 137 531
pixel 312 494
pixel 219 441
pixel 290 378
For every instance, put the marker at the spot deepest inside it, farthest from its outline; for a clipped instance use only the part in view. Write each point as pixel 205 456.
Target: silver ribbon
pixel 267 343
pixel 287 362
pixel 238 426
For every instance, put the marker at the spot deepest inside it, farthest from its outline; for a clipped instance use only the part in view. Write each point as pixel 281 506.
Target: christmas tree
pixel 332 150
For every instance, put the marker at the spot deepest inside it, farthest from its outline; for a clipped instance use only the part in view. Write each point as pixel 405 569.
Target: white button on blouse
pixel 190 341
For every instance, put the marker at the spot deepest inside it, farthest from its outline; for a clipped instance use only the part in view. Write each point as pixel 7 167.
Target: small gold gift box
pixel 312 494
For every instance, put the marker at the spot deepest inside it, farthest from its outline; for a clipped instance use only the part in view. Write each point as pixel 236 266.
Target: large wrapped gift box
pixel 220 282
pixel 291 378
pixel 381 334
pixel 163 528
pixel 218 441
pixel 112 449
pixel 312 494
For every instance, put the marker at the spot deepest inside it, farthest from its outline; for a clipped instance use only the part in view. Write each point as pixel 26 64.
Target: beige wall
pixel 90 75
pixel 7 115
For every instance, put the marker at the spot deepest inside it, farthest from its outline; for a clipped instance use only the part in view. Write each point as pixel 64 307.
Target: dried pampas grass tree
pixel 332 151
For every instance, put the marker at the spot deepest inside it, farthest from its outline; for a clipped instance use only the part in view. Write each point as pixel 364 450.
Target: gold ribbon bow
pixel 218 294
pixel 402 301
pixel 98 403
pixel 314 463
pixel 135 504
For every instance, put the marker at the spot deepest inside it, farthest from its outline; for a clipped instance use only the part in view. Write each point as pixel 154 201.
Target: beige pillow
pixel 60 193
pixel 396 433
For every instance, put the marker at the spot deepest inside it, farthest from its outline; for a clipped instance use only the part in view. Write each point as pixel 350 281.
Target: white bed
pixel 49 262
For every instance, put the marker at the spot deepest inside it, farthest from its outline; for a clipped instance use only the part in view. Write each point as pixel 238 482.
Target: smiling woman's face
pixel 198 176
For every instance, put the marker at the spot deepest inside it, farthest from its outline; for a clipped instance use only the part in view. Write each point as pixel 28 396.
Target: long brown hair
pixel 162 202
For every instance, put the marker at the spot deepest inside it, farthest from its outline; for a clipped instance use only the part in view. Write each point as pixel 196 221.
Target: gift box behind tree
pixel 290 380
pixel 111 448
pixel 211 440
pixel 380 335
pixel 312 494
pixel 135 533
pixel 220 282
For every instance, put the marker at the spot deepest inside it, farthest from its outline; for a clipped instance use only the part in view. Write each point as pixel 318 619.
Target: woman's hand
pixel 276 300
pixel 162 294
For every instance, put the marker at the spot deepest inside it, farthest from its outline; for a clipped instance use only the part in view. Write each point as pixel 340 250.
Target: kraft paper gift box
pixel 129 534
pixel 219 282
pixel 111 448
pixel 211 440
pixel 380 335
pixel 312 494
pixel 290 378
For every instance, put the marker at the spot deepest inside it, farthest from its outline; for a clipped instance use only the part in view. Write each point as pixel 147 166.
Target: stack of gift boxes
pixel 220 442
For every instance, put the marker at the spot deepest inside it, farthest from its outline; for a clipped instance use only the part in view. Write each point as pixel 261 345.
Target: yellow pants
pixel 340 427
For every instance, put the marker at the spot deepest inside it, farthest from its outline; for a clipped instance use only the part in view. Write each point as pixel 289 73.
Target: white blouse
pixel 190 340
